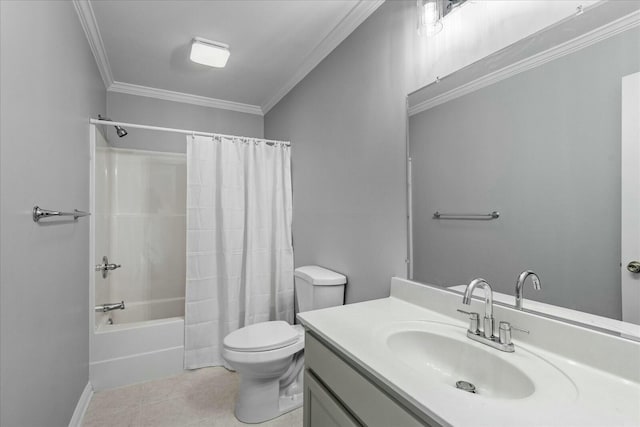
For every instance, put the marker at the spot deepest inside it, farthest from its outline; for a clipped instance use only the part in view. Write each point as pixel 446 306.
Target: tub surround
pixel 140 223
pixel 601 367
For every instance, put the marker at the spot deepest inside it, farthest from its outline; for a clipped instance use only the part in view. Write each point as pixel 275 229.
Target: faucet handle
pixel 474 321
pixel 504 332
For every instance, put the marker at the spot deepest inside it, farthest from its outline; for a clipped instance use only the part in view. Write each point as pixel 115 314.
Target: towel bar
pixel 39 213
pixel 440 215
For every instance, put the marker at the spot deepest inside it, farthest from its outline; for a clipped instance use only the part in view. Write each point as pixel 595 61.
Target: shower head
pixel 119 130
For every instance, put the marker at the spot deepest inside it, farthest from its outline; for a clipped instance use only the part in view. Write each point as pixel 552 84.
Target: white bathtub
pixel 138 346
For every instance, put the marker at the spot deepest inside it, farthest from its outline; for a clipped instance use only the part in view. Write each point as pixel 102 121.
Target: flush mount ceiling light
pixel 207 52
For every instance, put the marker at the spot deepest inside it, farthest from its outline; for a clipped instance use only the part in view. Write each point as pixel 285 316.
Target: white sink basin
pixel 443 355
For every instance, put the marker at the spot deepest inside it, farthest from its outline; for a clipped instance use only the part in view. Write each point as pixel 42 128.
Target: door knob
pixel 634 267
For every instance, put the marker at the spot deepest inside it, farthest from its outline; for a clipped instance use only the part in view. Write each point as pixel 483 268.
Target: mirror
pixel 534 133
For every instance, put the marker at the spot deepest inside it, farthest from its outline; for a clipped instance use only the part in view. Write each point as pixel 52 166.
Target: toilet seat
pixel 279 339
pixel 262 336
pixel 266 356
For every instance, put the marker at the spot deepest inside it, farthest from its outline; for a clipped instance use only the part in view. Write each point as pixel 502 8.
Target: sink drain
pixel 466 386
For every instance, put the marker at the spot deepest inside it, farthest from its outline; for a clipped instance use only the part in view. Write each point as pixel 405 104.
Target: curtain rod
pixel 183 131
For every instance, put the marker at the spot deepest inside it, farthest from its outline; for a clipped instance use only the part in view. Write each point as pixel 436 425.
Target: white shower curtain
pixel 239 246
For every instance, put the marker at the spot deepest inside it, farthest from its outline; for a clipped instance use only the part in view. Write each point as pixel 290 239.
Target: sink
pixel 452 360
pixel 442 355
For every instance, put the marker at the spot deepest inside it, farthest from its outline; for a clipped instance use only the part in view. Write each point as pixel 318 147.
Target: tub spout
pixel 108 307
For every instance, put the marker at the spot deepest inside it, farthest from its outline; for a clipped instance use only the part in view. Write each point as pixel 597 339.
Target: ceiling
pixel 142 47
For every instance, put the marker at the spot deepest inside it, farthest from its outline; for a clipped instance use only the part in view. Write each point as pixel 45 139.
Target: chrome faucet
pixel 488 303
pixel 520 285
pixel 486 336
pixel 109 307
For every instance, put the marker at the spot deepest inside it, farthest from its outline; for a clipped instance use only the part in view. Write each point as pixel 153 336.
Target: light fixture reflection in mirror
pixel 429 17
pixel 431 13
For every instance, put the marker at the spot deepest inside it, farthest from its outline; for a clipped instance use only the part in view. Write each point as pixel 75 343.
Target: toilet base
pixel 289 403
pixel 259 401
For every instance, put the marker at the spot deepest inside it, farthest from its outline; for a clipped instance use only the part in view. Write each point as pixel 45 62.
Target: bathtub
pixel 142 344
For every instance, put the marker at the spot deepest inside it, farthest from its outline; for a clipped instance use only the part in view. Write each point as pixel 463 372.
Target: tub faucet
pixel 109 307
pixel 520 285
pixel 488 303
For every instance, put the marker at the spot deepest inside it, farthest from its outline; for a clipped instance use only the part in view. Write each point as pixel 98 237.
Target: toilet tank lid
pixel 320 276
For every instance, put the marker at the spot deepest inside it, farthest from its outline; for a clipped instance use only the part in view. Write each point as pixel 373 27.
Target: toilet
pixel 269 356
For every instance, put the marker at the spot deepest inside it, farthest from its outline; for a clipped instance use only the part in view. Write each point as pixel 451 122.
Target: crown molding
pixel 186 98
pixel 601 33
pixel 91 30
pixel 356 16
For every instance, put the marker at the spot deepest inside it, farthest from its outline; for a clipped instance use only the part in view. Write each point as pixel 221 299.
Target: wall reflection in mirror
pixel 544 147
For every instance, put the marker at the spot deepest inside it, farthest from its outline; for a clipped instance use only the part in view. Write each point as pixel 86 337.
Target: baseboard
pixel 81 407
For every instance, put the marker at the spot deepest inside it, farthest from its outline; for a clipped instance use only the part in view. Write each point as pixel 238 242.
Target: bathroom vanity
pixel 396 361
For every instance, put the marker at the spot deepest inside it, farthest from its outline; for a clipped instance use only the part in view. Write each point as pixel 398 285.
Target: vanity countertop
pixel 601 398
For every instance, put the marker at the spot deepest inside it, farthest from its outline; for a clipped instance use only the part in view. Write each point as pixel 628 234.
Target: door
pixel 630 198
pixel 321 409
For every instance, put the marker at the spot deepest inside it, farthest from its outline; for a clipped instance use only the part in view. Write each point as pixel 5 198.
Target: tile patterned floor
pixel 204 397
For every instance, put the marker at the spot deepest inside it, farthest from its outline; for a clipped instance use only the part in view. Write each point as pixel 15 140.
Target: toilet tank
pixel 317 287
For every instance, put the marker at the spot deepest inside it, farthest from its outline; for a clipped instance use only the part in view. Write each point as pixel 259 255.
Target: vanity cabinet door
pixel 370 405
pixel 321 409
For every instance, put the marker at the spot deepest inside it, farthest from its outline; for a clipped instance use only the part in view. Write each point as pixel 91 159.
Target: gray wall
pixel 50 86
pixel 543 148
pixel 157 112
pixel 347 124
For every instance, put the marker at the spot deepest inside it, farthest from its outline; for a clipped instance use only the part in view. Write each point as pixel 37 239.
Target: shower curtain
pixel 239 245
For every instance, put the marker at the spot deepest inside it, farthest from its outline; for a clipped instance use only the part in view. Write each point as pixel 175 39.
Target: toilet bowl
pixel 269 356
